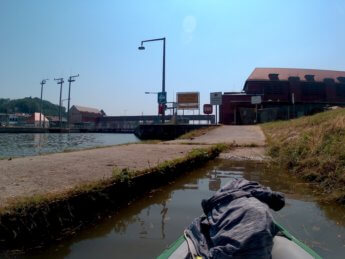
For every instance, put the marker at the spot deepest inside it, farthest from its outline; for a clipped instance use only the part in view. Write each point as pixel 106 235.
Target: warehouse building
pixel 80 114
pixel 283 93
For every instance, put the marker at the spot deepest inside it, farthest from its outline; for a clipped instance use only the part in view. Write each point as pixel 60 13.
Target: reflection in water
pixel 164 215
pixel 148 225
pixel 22 144
pixel 214 180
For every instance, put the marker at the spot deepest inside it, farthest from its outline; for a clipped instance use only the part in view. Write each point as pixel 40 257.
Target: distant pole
pixel 60 82
pixel 70 80
pixel 42 84
pixel 163 78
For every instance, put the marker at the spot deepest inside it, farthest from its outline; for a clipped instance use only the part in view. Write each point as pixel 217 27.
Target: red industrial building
pixel 80 114
pixel 283 93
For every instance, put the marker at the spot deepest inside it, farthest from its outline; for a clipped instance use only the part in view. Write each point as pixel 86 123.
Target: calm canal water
pixel 148 225
pixel 22 144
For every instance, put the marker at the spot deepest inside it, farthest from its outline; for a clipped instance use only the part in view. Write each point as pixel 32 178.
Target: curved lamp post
pixel 141 47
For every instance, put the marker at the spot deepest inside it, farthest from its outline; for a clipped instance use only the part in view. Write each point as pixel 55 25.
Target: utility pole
pixel 70 80
pixel 42 84
pixel 60 82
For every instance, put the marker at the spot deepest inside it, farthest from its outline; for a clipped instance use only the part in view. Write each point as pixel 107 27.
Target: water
pixel 148 225
pixel 22 144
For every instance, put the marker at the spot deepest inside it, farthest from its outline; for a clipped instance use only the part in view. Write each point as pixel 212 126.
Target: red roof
pixel 263 74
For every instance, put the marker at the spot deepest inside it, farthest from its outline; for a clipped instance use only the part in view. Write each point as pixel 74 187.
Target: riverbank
pixel 48 197
pixel 36 220
pixel 313 148
pixel 60 172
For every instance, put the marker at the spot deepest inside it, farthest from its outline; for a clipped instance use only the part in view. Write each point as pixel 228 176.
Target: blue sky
pixel 211 46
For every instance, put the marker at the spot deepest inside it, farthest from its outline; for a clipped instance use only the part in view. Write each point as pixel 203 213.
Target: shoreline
pixel 64 213
pixel 49 197
pixel 44 149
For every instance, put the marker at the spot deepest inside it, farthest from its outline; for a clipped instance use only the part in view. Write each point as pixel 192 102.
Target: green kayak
pixel 285 246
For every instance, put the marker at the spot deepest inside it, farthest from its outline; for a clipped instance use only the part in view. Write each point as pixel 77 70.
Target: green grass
pixel 313 148
pixel 150 141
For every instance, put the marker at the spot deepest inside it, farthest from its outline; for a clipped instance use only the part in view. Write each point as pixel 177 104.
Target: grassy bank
pixel 37 220
pixel 312 147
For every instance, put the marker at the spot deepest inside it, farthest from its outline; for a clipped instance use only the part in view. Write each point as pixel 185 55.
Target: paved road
pixel 241 135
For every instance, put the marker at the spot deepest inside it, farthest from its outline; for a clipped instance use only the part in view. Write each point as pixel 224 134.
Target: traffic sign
pixel 208 108
pixel 216 98
pixel 256 99
pixel 162 97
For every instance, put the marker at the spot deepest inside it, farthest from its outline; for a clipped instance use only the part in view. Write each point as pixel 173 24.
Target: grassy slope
pixel 312 147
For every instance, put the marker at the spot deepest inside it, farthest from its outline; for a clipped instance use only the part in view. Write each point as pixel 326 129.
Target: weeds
pixel 196 133
pixel 312 147
pixel 150 141
pixel 119 175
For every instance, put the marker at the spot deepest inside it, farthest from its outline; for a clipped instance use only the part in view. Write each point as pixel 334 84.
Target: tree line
pixel 29 105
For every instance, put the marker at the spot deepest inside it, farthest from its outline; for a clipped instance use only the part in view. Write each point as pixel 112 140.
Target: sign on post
pixel 216 98
pixel 162 97
pixel 256 99
pixel 208 108
pixel 187 100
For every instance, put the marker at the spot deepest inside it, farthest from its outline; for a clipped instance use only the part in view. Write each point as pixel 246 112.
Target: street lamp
pixel 141 47
pixel 70 80
pixel 43 82
pixel 60 82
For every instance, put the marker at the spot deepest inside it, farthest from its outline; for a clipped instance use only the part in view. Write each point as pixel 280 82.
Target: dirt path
pixel 240 135
pixel 58 172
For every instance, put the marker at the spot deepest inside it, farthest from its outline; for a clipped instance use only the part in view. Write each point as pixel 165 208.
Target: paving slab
pixel 240 135
pixel 51 173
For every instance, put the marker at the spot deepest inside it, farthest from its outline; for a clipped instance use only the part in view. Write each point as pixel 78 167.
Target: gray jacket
pixel 236 223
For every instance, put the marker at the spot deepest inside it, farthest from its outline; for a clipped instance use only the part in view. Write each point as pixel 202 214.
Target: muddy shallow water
pixel 148 225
